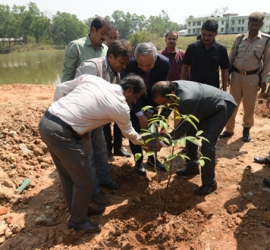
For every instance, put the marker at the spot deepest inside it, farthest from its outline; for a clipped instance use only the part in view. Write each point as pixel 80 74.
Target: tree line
pixel 28 21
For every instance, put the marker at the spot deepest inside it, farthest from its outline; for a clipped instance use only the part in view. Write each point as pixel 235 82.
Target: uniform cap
pixel 256 17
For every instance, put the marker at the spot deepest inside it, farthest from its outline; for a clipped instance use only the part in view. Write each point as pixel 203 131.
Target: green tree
pixel 39 27
pixel 66 27
pixel 123 22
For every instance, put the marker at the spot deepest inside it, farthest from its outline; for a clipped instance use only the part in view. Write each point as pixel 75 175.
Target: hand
pixel 229 81
pixel 148 115
pixel 268 100
pixel 143 121
pixel 85 136
pixel 262 87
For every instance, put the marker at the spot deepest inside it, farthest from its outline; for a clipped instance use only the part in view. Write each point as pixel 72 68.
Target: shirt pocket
pixel 241 52
pixel 258 51
pixel 214 63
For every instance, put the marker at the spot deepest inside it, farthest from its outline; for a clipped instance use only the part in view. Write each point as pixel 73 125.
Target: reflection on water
pixel 41 67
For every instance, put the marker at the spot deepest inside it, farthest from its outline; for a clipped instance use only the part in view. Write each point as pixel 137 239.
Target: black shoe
pixel 266 182
pixel 186 172
pixel 183 151
pixel 261 160
pixel 226 134
pixel 139 168
pixel 111 185
pixel 121 152
pixel 246 136
pixel 206 189
pixel 159 165
pixel 88 226
pixel 100 199
pixel 95 210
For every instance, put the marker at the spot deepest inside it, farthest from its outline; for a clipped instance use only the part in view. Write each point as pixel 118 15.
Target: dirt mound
pixel 235 216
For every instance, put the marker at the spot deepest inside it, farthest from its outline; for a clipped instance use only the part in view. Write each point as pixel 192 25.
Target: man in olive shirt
pixel 250 58
pixel 85 48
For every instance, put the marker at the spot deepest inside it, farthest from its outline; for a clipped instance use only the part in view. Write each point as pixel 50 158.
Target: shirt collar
pixel 89 43
pixel 214 44
pixel 259 35
pixel 175 50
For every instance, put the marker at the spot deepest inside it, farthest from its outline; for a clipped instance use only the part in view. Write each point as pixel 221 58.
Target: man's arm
pixel 268 98
pixel 87 67
pixel 70 61
pixel 266 67
pixel 224 78
pixel 184 72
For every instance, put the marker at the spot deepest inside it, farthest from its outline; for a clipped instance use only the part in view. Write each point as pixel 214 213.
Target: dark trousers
pixel 212 127
pixel 71 160
pixel 136 125
pixel 117 136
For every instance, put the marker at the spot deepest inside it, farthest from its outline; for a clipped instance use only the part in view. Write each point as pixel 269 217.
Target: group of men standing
pixel 72 127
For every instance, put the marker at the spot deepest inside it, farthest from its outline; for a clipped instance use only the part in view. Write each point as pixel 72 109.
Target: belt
pixel 245 73
pixel 58 120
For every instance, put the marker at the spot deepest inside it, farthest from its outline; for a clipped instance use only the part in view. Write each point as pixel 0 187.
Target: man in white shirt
pixel 91 103
pixel 108 68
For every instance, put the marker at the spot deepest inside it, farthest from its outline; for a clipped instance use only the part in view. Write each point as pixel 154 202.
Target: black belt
pixel 58 120
pixel 245 73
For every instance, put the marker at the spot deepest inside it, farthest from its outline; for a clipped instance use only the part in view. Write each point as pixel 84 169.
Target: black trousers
pixel 212 127
pixel 117 136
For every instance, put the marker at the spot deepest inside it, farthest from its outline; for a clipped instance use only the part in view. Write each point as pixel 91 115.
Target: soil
pixel 235 216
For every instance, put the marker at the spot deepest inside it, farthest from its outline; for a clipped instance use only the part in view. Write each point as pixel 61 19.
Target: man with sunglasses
pixel 175 56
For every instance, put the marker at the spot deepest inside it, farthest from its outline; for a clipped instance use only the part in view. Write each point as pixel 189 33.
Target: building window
pixel 198 23
pixel 232 29
pixel 193 23
pixel 243 21
pixel 232 22
pixel 193 30
pixel 222 29
pixel 188 30
pixel 189 23
pixel 239 21
pixel 242 28
pixel 222 22
pixel 238 28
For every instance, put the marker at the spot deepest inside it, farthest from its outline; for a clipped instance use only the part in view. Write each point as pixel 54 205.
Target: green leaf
pixel 201 162
pixel 150 153
pixel 146 134
pixel 199 132
pixel 145 108
pixel 194 118
pixel 203 138
pixel 148 140
pixel 171 157
pixel 183 156
pixel 176 142
pixel 138 156
pixel 167 167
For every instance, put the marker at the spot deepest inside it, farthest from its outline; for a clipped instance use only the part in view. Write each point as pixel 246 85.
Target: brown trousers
pixel 243 88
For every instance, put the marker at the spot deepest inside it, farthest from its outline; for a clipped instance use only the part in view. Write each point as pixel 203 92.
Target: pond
pixel 38 67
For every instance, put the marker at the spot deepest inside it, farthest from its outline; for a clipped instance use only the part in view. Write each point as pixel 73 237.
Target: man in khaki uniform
pixel 250 60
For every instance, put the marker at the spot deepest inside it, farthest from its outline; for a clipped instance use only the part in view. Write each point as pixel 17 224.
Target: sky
pixel 177 10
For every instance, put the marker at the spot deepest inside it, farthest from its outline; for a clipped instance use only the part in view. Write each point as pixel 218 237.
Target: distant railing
pixel 9 40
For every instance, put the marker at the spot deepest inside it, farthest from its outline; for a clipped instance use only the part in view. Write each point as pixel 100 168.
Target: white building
pixel 227 24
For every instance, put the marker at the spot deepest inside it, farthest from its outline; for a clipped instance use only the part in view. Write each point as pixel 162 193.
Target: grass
pixel 183 42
